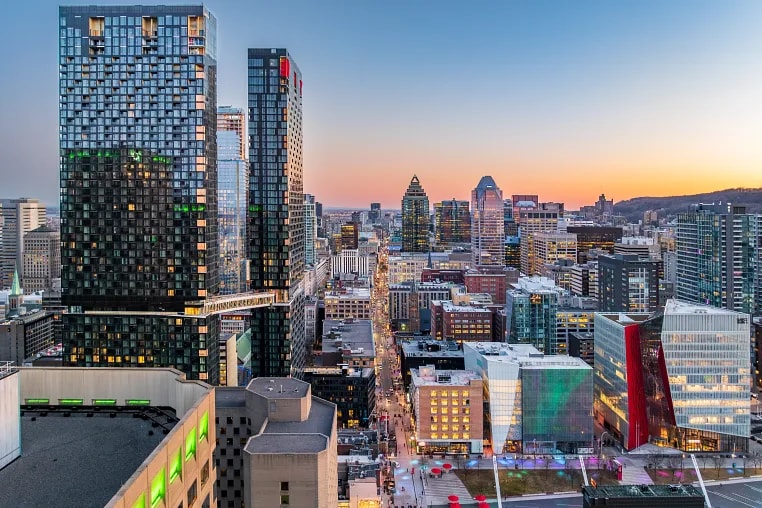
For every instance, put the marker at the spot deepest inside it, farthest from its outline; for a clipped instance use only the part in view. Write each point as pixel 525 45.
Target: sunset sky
pixel 565 99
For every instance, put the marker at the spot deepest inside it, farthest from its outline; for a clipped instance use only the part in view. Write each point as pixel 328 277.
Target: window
pixel 192 493
pixel 205 473
pixel 284 500
pixel 283 485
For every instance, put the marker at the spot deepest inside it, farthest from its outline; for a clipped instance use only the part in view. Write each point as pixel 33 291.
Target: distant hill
pixel 668 206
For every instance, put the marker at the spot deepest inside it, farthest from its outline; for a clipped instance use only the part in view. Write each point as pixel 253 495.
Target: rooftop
pixel 63 465
pixel 428 376
pixel 624 319
pixel 309 436
pixel 525 356
pixel 680 307
pixel 411 349
pixel 285 443
pixel 624 491
pixel 350 294
pixel 356 335
pixel 448 306
pixel 536 284
pixel 278 387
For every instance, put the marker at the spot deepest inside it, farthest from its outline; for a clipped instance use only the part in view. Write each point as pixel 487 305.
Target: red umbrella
pixel 436 470
pixel 480 497
pixel 447 466
pixel 453 498
pixel 483 505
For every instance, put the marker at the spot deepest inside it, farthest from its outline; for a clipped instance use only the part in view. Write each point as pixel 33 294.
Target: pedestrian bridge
pixel 229 303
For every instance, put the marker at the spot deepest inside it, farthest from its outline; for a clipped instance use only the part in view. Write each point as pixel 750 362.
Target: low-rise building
pixel 443 355
pixel 460 323
pixel 447 408
pixel 351 303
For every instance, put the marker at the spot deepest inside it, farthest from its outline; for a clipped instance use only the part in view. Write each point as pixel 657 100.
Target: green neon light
pixel 138 402
pixel 190 444
pixel 164 160
pixel 140 502
pixel 104 402
pixel 255 208
pixel 70 402
pixel 176 465
pixel 158 488
pixel 38 401
pixel 203 426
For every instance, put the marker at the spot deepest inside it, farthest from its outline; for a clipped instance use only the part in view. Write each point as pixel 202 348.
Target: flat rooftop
pixel 625 491
pixel 624 319
pixel 680 307
pixel 410 349
pixel 76 461
pixel 355 335
pixel 524 355
pixel 278 387
pixel 443 377
pixel 310 436
pixel 448 306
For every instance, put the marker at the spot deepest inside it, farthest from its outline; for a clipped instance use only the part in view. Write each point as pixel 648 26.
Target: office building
pixel 487 224
pixel 584 279
pixel 144 437
pixel 452 222
pixel 24 335
pixel 542 218
pixel 460 323
pixel 352 262
pixel 524 202
pixel 641 246
pixel 406 267
pixel 232 192
pixel 538 404
pixel 716 255
pixel 352 303
pixel 594 237
pixel 41 259
pixel 513 252
pixel 530 310
pixel 374 215
pixel 17 218
pixel 310 230
pixel 349 237
pixel 277 446
pixel 628 283
pixel 352 389
pixel 420 351
pixel 447 409
pixel 661 380
pixel 410 304
pixel 138 161
pixel 574 314
pixel 415 218
pixel 275 220
pixel 492 280
pixel 550 247
pixel 582 345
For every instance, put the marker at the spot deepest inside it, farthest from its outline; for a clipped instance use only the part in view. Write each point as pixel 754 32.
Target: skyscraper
pixel 716 248
pixel 138 160
pixel 232 191
pixel 42 259
pixel 18 217
pixel 628 283
pixel 452 222
pixel 487 223
pixel 275 226
pixel 374 216
pixel 415 218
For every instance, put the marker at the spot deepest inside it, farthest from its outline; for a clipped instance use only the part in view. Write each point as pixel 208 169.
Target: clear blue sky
pixel 563 98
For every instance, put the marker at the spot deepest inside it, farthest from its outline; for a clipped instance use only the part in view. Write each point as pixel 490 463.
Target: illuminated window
pixel 158 488
pixel 190 444
pixel 203 425
pixel 176 466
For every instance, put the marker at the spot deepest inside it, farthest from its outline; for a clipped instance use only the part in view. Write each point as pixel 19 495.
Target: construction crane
pixel 701 481
pixel 497 482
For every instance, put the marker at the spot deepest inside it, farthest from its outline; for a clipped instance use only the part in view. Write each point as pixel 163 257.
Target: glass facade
pixel 415 218
pixel 275 214
pixel 716 256
pixel 453 222
pixel 487 223
pixel 138 182
pixel 232 192
pixel 531 318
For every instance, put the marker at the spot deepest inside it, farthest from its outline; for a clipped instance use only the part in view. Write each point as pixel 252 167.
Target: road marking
pixel 729 498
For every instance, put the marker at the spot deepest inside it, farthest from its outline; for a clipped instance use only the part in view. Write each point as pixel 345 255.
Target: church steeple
pixel 16 298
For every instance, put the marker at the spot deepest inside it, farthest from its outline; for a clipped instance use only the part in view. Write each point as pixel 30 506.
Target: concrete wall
pixel 10 422
pixel 163 387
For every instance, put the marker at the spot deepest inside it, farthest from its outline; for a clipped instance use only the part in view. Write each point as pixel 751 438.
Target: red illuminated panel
pixel 636 394
pixel 665 385
pixel 285 67
pixel 300 87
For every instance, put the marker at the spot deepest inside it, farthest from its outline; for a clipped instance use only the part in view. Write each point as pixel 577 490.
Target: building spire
pixel 16 287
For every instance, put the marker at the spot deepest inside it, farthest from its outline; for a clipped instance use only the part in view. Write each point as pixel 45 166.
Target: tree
pixel 658 460
pixel 546 466
pixel 717 461
pixel 673 463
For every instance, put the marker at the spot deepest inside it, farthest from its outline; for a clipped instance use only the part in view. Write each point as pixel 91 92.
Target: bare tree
pixel 546 466
pixel 673 464
pixel 756 458
pixel 717 462
pixel 658 460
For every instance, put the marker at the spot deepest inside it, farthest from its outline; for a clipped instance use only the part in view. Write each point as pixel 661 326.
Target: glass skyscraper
pixel 452 221
pixel 310 230
pixel 233 186
pixel 716 256
pixel 487 224
pixel 415 218
pixel 138 163
pixel 275 216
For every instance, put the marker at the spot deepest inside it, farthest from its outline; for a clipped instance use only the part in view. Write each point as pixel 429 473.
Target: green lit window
pixel 158 488
pixel 70 402
pixel 190 444
pixel 176 465
pixel 203 427
pixel 37 401
pixel 104 402
pixel 140 502
pixel 138 402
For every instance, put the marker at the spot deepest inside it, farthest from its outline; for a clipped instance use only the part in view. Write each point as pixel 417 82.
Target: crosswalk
pixel 438 489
